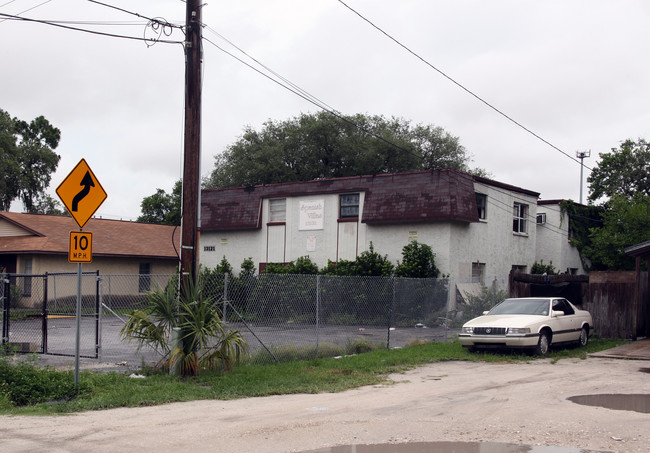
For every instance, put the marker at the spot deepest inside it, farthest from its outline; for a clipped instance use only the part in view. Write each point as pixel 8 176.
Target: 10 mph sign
pixel 81 247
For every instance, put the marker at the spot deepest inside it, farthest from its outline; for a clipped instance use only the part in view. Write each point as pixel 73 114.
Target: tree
pixel 624 170
pixel 203 342
pixel 625 222
pixel 418 261
pixel 45 204
pixel 27 159
pixel 322 145
pixel 163 208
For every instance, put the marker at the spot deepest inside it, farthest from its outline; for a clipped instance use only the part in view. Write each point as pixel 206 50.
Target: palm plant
pixel 203 341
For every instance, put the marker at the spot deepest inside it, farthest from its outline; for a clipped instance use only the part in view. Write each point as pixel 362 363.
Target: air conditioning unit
pixel 541 218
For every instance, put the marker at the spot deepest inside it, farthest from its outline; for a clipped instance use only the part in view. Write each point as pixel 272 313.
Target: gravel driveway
pixel 451 401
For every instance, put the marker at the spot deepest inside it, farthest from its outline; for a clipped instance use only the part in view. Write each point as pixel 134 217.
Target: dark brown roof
pixel 51 235
pixel 425 196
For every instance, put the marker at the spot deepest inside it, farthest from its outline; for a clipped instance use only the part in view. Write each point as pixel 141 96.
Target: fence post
pixel 100 309
pixel 224 297
pixel 6 299
pixel 44 324
pixel 317 313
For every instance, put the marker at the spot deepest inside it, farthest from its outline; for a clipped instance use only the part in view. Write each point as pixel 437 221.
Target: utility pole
pixel 190 223
pixel 581 155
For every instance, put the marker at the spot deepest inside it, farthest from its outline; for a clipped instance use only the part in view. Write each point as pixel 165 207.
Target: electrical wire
pixel 67 27
pixel 28 9
pixel 467 90
pixel 150 19
pixel 284 83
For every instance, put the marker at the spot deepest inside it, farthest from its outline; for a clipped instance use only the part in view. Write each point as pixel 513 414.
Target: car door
pixel 567 326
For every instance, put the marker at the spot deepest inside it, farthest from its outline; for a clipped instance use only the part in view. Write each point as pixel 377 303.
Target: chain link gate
pixel 39 314
pixel 24 320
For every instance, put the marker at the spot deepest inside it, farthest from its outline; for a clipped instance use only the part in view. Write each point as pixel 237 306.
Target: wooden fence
pixel 618 301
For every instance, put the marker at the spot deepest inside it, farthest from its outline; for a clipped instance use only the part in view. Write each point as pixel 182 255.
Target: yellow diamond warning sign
pixel 81 193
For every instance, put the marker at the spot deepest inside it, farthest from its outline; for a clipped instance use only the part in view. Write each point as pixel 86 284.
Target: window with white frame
pixel 278 210
pixel 349 205
pixel 520 218
pixel 481 204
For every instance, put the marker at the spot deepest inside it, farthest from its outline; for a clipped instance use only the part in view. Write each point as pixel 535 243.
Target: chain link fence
pixel 282 317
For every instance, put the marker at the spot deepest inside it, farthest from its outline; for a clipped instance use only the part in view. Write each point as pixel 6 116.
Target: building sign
pixel 311 243
pixel 311 215
pixel 413 235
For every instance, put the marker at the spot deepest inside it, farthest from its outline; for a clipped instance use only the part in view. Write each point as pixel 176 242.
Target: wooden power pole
pixel 190 223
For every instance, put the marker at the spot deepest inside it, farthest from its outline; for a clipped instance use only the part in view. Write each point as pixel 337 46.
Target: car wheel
pixel 543 343
pixel 584 336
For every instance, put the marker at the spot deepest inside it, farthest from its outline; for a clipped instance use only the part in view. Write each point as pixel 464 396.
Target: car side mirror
pixel 557 313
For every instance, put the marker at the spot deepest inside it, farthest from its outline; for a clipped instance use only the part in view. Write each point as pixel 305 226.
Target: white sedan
pixel 528 322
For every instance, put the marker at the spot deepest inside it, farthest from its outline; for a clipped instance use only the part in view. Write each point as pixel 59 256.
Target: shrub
pixel 22 384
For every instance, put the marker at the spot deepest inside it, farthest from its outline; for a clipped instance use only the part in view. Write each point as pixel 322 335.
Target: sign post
pixel 81 194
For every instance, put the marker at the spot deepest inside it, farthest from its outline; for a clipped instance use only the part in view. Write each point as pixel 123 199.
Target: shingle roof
pixel 51 235
pixel 425 196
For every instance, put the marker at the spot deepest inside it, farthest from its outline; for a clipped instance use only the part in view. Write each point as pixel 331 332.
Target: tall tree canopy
pixel 27 159
pixel 620 182
pixel 321 145
pixel 163 208
pixel 624 170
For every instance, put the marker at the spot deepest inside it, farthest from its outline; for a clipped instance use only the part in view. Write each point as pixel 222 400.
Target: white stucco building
pixel 478 228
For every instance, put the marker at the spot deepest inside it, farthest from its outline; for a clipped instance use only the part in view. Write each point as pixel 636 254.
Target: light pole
pixel 581 155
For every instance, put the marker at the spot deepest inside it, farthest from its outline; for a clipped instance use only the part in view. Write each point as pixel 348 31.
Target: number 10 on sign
pixel 81 247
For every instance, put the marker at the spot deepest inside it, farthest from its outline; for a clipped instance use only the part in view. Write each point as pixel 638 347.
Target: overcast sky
pixel 576 73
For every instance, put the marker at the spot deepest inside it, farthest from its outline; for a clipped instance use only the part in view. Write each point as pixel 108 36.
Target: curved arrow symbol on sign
pixel 87 182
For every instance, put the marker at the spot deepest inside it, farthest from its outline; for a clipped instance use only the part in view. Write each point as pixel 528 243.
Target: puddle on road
pixel 448 447
pixel 636 403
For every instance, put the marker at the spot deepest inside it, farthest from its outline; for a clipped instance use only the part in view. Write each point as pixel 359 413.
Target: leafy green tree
pixel 45 204
pixel 541 268
pixel 623 171
pixel 321 145
pixel 203 341
pixel 163 208
pixel 27 159
pixel 626 221
pixel 418 261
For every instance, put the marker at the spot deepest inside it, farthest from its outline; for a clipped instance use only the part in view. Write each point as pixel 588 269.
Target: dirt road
pixel 451 401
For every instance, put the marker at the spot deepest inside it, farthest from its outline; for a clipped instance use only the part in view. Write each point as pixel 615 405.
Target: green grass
pixel 109 390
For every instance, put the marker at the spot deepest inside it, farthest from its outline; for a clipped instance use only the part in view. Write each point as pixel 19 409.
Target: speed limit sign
pixel 81 247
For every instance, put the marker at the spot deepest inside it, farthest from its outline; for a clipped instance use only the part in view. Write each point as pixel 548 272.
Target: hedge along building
pixel 478 228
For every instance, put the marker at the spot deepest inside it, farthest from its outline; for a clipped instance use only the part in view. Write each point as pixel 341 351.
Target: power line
pixel 84 30
pixel 28 9
pixel 290 86
pixel 467 90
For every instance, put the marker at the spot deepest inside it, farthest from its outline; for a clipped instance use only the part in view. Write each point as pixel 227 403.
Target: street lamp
pixel 581 155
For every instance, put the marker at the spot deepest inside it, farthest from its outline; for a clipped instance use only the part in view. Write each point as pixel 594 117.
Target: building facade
pixel 478 228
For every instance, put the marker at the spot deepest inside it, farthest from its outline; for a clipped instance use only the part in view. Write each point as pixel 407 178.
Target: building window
pixel 481 204
pixel 520 268
pixel 349 205
pixel 144 282
pixel 541 218
pixel 520 216
pixel 478 273
pixel 27 279
pixel 278 210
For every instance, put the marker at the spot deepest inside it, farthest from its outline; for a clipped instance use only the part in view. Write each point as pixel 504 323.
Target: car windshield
pixel 521 307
